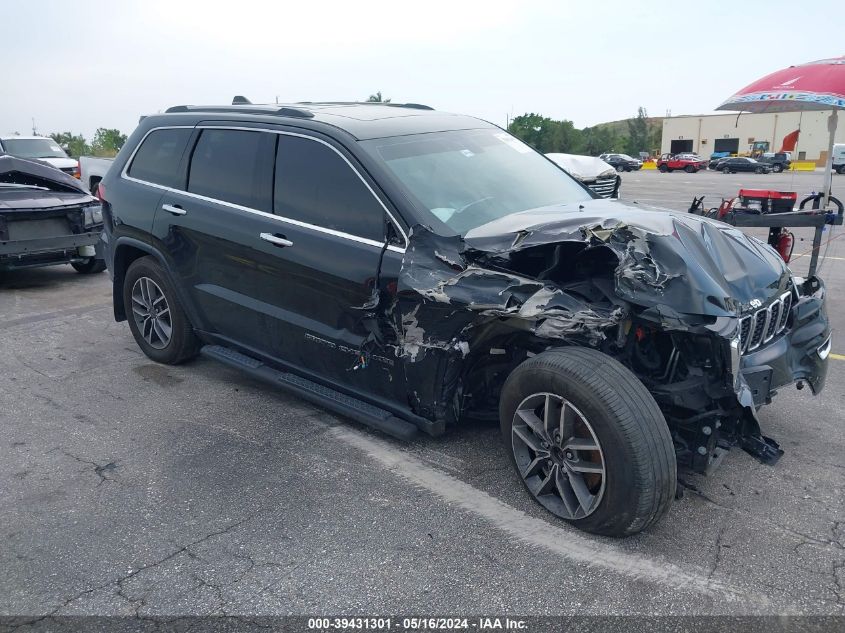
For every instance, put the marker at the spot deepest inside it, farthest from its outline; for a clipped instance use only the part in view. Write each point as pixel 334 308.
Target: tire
pixel 620 168
pixel 759 170
pixel 609 404
pixel 663 168
pixel 89 266
pixel 777 168
pixel 690 169
pixel 842 170
pixel 181 344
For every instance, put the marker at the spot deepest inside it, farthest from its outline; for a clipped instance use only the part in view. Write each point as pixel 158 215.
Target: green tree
pixel 599 140
pixel 377 98
pixel 639 134
pixel 75 144
pixel 107 141
pixel 536 130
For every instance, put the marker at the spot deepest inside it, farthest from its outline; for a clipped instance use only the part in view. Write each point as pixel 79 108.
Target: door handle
pixel 275 239
pixel 174 209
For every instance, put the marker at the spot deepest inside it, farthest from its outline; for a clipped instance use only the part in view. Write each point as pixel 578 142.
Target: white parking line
pixel 563 541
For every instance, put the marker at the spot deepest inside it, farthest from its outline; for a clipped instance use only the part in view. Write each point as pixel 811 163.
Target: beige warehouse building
pixel 705 134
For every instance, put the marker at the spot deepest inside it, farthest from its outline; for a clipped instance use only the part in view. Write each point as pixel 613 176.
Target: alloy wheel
pixel 558 455
pixel 151 313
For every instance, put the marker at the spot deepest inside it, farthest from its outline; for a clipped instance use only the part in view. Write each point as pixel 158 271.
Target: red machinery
pixel 767 201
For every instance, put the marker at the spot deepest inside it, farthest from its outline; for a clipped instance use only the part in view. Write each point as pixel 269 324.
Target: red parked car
pixel 690 163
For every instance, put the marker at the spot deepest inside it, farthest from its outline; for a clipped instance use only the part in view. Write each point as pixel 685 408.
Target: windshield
pixel 467 178
pixel 33 148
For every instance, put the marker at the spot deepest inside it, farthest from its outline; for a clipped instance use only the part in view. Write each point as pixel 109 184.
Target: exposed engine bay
pixel 709 319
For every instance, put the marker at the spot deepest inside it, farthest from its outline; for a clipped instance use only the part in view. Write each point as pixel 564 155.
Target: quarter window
pixel 314 184
pixel 157 160
pixel 233 166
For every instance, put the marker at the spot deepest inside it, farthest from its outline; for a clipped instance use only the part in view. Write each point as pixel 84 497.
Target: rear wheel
pixel 89 266
pixel 689 169
pixel 589 441
pixel 156 318
pixel 842 170
pixel 777 168
pixel 758 170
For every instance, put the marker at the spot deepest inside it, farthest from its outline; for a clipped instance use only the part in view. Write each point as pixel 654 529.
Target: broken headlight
pixel 92 215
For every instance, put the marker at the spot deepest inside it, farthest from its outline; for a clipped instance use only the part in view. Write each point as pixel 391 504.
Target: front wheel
pixel 842 170
pixel 620 168
pixel 759 170
pixel 89 266
pixel 663 168
pixel 589 441
pixel 777 168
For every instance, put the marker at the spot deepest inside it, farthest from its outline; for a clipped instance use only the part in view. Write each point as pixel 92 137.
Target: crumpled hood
pixel 680 262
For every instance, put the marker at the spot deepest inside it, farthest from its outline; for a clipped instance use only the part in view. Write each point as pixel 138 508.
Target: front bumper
pixel 800 354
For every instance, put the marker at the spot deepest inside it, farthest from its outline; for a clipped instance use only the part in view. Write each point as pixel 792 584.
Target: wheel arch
pixel 126 250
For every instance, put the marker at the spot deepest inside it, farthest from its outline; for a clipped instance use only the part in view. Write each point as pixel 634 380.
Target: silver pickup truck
pixel 92 170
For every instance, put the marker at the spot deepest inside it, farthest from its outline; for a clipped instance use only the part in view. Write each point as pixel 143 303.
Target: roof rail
pixel 416 106
pixel 243 107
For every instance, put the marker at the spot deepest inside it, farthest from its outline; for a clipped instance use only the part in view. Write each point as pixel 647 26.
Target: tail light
pixel 76 173
pixel 100 192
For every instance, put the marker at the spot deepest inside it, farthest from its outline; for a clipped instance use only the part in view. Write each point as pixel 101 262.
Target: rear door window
pixel 157 160
pixel 234 166
pixel 314 184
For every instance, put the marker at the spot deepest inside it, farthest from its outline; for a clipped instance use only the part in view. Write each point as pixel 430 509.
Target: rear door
pixel 156 165
pixel 279 239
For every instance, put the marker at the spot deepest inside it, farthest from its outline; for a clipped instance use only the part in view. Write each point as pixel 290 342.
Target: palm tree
pixel 377 98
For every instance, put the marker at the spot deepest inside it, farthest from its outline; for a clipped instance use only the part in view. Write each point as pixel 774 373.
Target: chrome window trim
pixel 124 174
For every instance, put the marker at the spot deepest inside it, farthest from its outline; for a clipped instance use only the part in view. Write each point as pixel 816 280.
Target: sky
pixel 76 66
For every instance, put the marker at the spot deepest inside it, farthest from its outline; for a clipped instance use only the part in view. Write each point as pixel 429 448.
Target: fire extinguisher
pixel 784 244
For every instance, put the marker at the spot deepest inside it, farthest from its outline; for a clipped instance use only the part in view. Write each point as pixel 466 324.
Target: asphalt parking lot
pixel 128 487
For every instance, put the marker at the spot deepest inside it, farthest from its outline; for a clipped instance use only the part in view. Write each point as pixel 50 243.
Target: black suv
pixel 411 269
pixel 622 162
pixel 778 161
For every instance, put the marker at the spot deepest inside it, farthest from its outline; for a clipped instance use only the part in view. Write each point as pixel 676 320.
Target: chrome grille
pixel 766 323
pixel 784 313
pixel 605 187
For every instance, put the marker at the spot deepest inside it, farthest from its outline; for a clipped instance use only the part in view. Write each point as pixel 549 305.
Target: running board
pixel 325 397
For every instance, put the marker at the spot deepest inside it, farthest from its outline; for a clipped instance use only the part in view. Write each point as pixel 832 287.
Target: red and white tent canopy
pixel 818 85
pixel 815 86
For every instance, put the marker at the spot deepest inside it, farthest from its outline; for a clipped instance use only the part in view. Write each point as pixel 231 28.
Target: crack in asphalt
pixel 805 539
pixel 719 545
pixel 101 470
pixel 119 582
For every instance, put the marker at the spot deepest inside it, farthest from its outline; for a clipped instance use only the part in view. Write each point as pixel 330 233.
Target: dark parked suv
pixel 411 269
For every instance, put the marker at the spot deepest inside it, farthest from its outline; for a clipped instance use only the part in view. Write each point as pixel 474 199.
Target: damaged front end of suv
pixel 710 320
